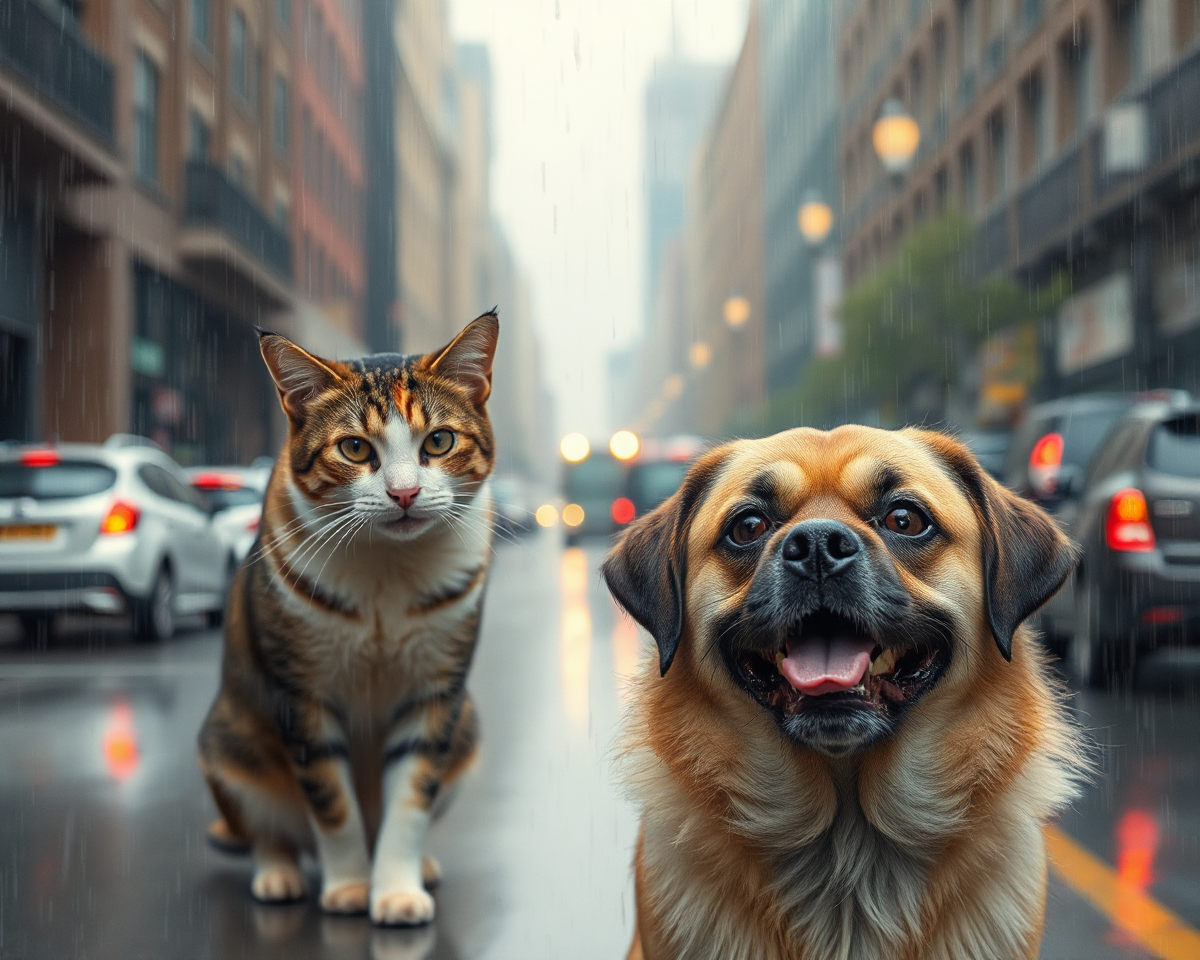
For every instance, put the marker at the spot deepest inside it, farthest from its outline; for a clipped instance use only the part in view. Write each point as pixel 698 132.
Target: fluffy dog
pixel 850 743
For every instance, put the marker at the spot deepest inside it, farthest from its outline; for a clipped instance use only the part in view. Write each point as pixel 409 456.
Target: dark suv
pixel 1048 461
pixel 1138 522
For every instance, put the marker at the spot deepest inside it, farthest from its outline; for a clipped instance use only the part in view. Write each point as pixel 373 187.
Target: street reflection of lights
pixel 576 635
pixel 737 310
pixel 624 445
pixel 120 746
pixel 546 515
pixel 1137 835
pixel 626 644
pixel 700 355
pixel 573 515
pixel 574 448
pixel 673 386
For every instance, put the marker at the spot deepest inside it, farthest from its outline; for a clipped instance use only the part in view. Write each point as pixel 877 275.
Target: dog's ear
pixel 647 570
pixel 644 572
pixel 1026 557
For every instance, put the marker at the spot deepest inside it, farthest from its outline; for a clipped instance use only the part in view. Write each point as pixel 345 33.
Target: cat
pixel 342 722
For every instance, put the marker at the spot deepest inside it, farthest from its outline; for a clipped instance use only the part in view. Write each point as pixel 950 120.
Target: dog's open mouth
pixel 831 661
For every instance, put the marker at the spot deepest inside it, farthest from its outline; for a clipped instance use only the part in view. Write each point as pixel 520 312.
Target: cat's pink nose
pixel 404 498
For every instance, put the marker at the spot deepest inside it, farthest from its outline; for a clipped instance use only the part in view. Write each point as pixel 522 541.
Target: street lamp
pixel 896 137
pixel 815 220
pixel 737 310
pixel 574 448
pixel 624 445
pixel 700 355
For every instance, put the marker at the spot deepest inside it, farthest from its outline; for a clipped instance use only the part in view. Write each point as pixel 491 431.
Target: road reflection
pixel 576 637
pixel 626 645
pixel 120 745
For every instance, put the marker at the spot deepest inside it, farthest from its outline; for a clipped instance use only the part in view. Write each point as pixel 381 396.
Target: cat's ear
pixel 298 375
pixel 468 358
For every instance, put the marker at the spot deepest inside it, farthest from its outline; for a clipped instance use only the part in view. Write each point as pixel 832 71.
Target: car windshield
pixel 1083 433
pixel 651 483
pixel 224 499
pixel 1175 447
pixel 59 481
pixel 596 477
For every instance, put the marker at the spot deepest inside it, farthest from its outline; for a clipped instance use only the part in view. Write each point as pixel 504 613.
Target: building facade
pixel 1069 133
pixel 800 120
pixel 725 244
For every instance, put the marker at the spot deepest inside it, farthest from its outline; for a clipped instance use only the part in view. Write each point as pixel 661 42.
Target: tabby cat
pixel 343 723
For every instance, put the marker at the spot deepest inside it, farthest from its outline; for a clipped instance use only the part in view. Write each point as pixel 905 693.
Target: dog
pixel 849 742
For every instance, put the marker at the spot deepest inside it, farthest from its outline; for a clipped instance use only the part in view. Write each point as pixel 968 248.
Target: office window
pixel 239 55
pixel 968 177
pixel 200 136
pixel 283 14
pixel 998 155
pixel 1080 75
pixel 145 117
pixel 941 188
pixel 1037 123
pixel 1131 25
pixel 201 22
pixel 237 169
pixel 968 35
pixel 281 114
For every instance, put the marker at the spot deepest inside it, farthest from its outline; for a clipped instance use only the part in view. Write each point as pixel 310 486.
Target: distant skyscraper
pixel 679 105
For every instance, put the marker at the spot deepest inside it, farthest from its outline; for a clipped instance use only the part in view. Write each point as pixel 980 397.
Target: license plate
pixel 28 531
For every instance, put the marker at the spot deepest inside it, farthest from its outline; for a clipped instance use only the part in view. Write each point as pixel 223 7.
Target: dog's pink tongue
pixel 816 665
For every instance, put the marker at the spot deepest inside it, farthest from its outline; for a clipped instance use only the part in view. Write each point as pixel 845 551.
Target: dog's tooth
pixel 780 656
pixel 884 663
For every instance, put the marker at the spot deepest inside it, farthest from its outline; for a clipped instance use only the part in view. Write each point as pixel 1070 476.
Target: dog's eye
pixel 907 521
pixel 747 528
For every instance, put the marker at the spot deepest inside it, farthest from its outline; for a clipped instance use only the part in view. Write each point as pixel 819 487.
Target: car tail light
pixel 122 517
pixel 1127 526
pixel 40 458
pixel 252 526
pixel 1161 615
pixel 1045 464
pixel 623 510
pixel 217 481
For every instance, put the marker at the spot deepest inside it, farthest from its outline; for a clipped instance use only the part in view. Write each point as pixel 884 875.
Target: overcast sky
pixel 567 184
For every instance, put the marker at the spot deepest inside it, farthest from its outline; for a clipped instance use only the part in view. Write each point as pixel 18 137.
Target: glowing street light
pixel 624 445
pixel 815 220
pixel 547 515
pixel 737 310
pixel 574 448
pixel 896 137
pixel 700 355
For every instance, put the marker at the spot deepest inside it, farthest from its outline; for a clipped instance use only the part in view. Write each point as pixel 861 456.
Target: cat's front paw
pixel 279 883
pixel 404 908
pixel 349 897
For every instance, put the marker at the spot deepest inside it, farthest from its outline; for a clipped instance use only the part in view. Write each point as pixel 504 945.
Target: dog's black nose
pixel 817 549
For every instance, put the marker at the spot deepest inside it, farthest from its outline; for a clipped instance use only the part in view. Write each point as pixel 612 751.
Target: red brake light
pixel 40 458
pixel 252 525
pixel 1127 525
pixel 217 481
pixel 1045 462
pixel 122 517
pixel 623 510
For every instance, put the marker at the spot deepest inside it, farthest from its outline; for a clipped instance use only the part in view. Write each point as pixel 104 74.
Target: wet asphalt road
pixel 103 810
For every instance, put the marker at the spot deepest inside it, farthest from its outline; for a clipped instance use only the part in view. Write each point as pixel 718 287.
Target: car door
pixel 181 527
pixel 208 566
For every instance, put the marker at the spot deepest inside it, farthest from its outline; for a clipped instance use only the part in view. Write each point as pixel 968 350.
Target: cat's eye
pixel 438 443
pixel 355 449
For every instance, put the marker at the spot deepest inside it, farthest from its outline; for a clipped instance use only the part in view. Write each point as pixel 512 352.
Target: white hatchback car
pixel 112 529
pixel 235 496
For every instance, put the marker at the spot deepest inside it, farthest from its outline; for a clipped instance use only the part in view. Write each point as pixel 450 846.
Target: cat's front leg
pixel 321 759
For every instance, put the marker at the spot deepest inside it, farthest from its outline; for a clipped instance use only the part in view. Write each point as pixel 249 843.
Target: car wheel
pixel 154 617
pixel 1098 662
pixel 38 629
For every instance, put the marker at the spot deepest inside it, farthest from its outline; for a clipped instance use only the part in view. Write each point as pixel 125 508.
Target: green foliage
pixel 911 329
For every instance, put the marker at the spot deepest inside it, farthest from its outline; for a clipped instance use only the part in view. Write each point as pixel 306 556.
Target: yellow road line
pixel 1141 916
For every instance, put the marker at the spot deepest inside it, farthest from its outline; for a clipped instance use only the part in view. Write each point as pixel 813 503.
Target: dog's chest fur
pixel 831 884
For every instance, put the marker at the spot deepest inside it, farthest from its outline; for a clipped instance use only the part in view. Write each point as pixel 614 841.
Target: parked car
pixel 235 497
pixel 591 487
pixel 990 448
pixel 1138 584
pixel 1048 461
pixel 110 529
